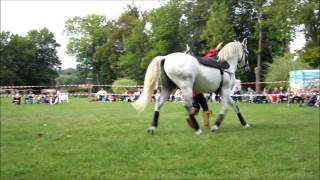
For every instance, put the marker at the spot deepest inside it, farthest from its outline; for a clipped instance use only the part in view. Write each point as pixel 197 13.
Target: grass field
pixel 91 140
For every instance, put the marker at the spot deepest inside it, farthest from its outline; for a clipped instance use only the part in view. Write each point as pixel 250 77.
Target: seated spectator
pixel 236 91
pixel 156 95
pixel 274 96
pixel 263 97
pixel 282 95
pixel 252 97
pixel 127 95
pixel 30 98
pixel 171 97
pixel 317 104
pixel 17 98
pixel 236 94
pixel 178 95
pixel 102 95
pixel 312 101
pixel 153 97
pixel 54 99
pixel 137 94
pixel 42 98
pixel 112 98
pixel 298 96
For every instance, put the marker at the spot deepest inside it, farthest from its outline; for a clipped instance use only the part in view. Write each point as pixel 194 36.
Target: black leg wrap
pixel 194 122
pixel 155 118
pixel 219 120
pixel 241 119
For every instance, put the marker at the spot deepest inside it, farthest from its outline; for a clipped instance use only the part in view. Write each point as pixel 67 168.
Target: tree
pixel 219 26
pixel 136 45
pixel 30 60
pixel 308 16
pixel 8 67
pixel 194 17
pixel 47 61
pixel 311 55
pixel 114 53
pixel 70 76
pixel 280 68
pixel 86 34
pixel 268 26
pixel 164 30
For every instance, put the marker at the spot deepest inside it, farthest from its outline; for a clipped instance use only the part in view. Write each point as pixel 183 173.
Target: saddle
pixel 213 62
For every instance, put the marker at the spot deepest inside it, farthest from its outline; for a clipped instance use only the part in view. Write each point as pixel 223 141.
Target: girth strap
pixel 221 83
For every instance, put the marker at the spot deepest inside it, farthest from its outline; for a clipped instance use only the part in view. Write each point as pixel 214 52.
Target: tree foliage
pixel 107 50
pixel 219 26
pixel 86 34
pixel 29 60
pixel 280 68
pixel 70 76
pixel 308 16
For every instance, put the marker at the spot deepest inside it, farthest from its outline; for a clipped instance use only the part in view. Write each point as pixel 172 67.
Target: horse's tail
pixel 150 81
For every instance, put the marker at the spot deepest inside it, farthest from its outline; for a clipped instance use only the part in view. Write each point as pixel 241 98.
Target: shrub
pixel 119 85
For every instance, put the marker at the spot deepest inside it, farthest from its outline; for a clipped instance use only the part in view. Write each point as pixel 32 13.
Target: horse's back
pixel 184 69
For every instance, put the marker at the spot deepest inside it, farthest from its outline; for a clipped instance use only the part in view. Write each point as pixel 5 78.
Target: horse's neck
pixel 233 65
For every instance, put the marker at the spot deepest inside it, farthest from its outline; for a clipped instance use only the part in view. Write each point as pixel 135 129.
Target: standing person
pixel 198 99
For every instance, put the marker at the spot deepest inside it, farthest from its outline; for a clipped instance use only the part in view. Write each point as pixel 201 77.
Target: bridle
pixel 245 54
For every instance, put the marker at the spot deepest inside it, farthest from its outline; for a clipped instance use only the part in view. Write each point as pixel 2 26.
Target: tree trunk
pixel 258 68
pixel 98 78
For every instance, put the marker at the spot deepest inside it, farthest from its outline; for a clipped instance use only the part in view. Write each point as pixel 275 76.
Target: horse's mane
pixel 229 50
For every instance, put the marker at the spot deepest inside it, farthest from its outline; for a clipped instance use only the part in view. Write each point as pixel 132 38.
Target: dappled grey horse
pixel 181 70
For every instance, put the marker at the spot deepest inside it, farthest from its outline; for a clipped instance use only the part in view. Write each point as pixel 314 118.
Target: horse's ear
pixel 244 41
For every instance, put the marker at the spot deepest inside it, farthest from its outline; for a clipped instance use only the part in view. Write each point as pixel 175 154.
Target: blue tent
pixel 308 80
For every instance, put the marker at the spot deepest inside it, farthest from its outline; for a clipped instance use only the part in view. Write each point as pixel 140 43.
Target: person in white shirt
pixel 102 95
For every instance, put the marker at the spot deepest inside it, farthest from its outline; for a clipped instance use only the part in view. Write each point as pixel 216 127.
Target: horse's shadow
pixel 258 127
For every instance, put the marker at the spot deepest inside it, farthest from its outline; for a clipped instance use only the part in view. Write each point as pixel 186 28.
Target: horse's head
pixel 236 51
pixel 243 58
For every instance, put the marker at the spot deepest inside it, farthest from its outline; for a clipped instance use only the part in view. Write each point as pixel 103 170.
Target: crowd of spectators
pixel 53 97
pixel 103 96
pixel 276 95
pixel 280 95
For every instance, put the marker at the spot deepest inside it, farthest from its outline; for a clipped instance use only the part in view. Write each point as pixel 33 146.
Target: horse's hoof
pixel 152 130
pixel 199 132
pixel 215 128
pixel 246 126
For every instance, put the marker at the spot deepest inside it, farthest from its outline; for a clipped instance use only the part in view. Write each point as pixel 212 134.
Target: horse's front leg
pixel 223 110
pixel 158 104
pixel 237 110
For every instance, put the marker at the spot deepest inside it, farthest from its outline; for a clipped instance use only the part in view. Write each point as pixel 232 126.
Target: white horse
pixel 180 70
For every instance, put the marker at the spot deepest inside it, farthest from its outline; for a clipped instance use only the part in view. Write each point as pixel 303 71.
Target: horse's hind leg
pixel 236 110
pixel 188 105
pixel 164 95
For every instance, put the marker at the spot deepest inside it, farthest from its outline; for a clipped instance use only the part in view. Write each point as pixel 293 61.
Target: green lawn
pixel 91 140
